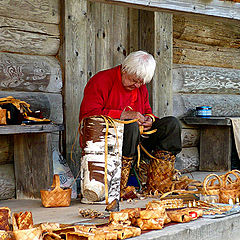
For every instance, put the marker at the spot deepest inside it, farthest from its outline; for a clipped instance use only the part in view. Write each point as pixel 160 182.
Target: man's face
pixel 131 81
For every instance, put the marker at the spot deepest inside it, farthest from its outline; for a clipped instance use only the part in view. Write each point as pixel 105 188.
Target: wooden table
pixel 215 142
pixel 32 157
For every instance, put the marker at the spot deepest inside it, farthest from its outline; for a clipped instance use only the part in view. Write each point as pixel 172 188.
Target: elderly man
pixel 121 93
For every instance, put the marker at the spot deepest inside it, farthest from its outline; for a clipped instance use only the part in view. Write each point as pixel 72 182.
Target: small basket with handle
pixel 231 187
pixel 56 196
pixel 209 188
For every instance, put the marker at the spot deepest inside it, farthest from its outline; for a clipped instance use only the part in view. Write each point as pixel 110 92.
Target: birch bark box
pixel 93 159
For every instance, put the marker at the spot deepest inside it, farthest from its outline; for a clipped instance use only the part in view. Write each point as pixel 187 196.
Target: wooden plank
pixel 6 149
pixel 33 164
pixel 190 137
pixel 103 37
pixel 75 61
pixel 120 34
pixel 212 8
pixel 50 104
pixel 30 73
pixel 222 105
pixel 185 52
pixel 202 79
pixel 22 36
pixel 216 121
pixel 47 11
pixel 218 156
pixel 133 29
pixel 38 128
pixel 7 182
pixel 207 30
pixel 162 82
pixel 188 160
pixel 147 40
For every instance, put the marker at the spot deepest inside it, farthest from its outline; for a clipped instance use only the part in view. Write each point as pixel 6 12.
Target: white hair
pixel 140 63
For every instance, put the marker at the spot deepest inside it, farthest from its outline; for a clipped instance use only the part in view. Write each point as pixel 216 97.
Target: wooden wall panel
pixel 162 82
pixel 6 149
pixel 22 36
pixel 201 79
pixel 206 41
pixel 49 103
pixel 47 11
pixel 30 73
pixel 222 105
pixel 133 21
pixel 7 182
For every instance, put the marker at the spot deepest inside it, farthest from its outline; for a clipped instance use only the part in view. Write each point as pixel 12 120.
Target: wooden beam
pixel 215 8
pixel 162 82
pixel 74 58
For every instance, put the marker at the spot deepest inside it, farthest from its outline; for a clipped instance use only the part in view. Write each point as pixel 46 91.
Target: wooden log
pixel 222 105
pixel 47 11
pixel 22 36
pixel 30 73
pixel 6 149
pixel 206 7
pixel 50 104
pixel 201 79
pixel 7 182
pixel 188 160
pixel 33 164
pixel 162 83
pixel 190 137
pixel 185 52
pixel 205 30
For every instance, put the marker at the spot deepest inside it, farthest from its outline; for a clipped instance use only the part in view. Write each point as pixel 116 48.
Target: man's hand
pixel 133 115
pixel 147 123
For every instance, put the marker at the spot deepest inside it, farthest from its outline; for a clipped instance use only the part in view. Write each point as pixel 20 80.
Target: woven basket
pixel 160 172
pixel 57 197
pixel 28 234
pixel 210 188
pixel 3 120
pixel 231 187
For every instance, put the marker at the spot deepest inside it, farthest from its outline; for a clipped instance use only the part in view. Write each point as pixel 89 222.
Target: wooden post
pixel 162 83
pixel 74 57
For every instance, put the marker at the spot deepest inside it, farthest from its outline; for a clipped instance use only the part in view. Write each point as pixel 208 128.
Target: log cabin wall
pixel 29 68
pixel 206 71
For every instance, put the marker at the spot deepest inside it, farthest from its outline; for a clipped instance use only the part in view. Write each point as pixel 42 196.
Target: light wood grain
pixel 222 105
pixel 202 79
pixel 30 73
pixel 39 11
pixel 22 36
pixel 33 164
pixel 7 182
pixel 162 82
pixel 216 8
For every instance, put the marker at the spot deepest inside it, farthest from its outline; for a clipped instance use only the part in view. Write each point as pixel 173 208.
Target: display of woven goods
pixel 167 204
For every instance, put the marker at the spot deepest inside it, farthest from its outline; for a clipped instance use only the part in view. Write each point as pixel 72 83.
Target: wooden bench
pixel 215 142
pixel 32 157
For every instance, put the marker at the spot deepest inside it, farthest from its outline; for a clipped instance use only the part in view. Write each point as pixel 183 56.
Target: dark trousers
pixel 167 137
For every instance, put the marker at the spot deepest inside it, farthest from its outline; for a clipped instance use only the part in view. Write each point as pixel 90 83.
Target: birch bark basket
pixel 93 160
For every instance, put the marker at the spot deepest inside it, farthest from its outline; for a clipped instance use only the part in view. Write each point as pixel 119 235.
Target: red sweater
pixel 104 94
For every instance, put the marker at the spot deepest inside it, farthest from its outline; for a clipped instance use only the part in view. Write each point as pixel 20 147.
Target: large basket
pixel 160 172
pixel 57 197
pixel 28 234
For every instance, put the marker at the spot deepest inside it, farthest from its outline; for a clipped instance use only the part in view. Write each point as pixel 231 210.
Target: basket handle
pixel 226 178
pixel 56 181
pixel 207 181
